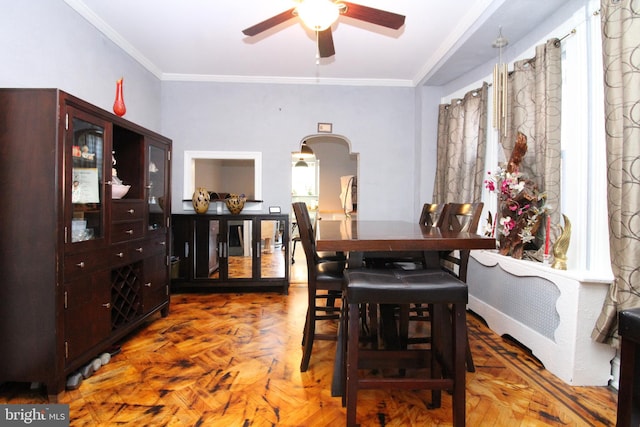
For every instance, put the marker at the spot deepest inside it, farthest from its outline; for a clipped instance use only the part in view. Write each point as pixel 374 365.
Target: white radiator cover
pixel 552 312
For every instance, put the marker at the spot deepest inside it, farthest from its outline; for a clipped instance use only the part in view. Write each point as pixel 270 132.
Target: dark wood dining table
pixel 356 237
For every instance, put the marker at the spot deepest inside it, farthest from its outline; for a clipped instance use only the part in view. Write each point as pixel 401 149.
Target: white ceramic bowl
pixel 118 191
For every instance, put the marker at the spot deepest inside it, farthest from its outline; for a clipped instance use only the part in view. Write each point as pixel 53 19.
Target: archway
pixel 332 162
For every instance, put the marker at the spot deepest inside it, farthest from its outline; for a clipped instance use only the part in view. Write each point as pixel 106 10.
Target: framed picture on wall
pixel 325 127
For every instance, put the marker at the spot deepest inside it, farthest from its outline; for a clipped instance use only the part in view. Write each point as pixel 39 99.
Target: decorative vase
pixel 561 245
pixel 200 200
pixel 235 203
pixel 118 106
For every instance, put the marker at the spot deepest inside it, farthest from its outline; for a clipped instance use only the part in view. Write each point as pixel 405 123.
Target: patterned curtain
pixel 621 61
pixel 461 148
pixel 533 108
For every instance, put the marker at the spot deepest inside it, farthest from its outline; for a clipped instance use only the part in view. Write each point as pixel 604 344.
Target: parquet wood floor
pixel 233 360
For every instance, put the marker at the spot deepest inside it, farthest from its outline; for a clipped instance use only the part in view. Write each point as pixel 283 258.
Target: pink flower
pixel 524 209
pixel 491 186
pixel 507 224
pixel 504 187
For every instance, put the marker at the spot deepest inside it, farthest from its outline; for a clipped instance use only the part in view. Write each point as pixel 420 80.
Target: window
pixel 584 184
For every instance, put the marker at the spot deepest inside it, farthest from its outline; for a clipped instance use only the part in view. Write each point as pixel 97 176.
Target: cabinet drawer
pixel 126 210
pixel 126 253
pixel 124 231
pixel 83 263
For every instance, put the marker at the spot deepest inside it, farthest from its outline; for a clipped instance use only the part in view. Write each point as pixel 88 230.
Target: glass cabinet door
pixel 157 174
pixel 85 177
pixel 207 250
pixel 239 249
pixel 272 255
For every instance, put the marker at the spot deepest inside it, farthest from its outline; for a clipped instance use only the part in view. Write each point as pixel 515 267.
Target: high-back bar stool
pixel 446 357
pixel 324 286
pixel 454 217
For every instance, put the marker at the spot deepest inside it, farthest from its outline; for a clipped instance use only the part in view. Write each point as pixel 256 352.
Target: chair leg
pixel 344 328
pixel 372 311
pixel 437 343
pixel 304 329
pixel 351 391
pixel 293 252
pixel 459 323
pixel 403 322
pixel 308 338
pixel 471 367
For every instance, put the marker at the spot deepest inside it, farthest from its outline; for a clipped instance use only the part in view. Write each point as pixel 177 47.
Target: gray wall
pixel 378 122
pixel 46 44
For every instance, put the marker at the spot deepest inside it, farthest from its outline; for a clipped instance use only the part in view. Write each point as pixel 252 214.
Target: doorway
pixel 328 183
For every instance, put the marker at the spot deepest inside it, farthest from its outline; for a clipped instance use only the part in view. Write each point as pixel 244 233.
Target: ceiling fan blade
pixel 325 43
pixel 374 16
pixel 269 23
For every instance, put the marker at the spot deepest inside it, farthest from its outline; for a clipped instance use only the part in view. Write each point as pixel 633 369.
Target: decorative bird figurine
pixel 561 245
pixel 488 228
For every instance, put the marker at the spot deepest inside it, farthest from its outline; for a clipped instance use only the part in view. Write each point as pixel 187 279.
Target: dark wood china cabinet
pixel 81 266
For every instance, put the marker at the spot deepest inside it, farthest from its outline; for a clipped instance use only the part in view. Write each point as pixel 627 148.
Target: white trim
pixel 286 80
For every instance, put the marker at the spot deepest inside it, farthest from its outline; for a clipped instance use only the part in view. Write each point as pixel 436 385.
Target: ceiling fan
pixel 319 15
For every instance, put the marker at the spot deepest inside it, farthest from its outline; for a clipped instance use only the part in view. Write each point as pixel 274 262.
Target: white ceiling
pixel 203 40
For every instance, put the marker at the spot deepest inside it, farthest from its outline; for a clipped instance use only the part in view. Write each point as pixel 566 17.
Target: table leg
pixel 355 259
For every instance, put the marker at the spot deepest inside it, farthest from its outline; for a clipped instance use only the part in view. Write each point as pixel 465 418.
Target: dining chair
pixel 444 360
pixel 412 260
pixel 324 286
pixel 431 214
pixel 459 217
pixel 454 217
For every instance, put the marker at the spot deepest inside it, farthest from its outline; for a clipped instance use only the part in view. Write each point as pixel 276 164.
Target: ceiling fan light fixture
pixel 318 15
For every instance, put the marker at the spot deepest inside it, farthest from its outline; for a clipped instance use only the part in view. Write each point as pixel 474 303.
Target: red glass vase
pixel 118 106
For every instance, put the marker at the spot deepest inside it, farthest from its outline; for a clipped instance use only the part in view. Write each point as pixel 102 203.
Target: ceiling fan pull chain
pixel 317 47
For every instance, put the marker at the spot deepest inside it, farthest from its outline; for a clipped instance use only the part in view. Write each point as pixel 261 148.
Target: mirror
pixel 233 171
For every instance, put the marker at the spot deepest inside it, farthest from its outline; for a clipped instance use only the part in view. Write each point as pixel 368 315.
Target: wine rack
pixel 125 294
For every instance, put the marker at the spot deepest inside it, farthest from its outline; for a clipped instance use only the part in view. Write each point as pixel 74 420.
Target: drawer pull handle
pixel 131 211
pixel 129 232
pixel 107 305
pixel 139 250
pixel 163 243
pixel 148 285
pixel 120 255
pixel 80 264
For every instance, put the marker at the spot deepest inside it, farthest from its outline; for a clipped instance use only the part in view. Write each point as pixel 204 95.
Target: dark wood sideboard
pixel 248 251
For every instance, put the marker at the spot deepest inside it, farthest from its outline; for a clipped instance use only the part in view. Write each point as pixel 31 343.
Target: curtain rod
pixel 557 43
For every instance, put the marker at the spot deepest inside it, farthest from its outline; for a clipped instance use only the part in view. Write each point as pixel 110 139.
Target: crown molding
pixel 285 80
pixel 113 35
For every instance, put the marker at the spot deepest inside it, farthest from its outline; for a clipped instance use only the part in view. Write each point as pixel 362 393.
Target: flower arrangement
pixel 520 204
